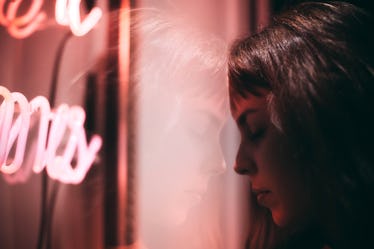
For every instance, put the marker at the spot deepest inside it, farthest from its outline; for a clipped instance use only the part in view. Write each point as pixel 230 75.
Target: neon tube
pixel 67 13
pixel 3 20
pixel 61 12
pixel 78 27
pixel 64 120
pixel 22 26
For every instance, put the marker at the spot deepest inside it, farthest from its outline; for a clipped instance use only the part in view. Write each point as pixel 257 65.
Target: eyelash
pixel 256 136
pixel 253 135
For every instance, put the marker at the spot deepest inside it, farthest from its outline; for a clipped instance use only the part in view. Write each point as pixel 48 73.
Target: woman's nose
pixel 244 164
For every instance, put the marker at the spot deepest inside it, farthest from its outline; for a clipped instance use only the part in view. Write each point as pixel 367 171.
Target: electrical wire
pixel 47 210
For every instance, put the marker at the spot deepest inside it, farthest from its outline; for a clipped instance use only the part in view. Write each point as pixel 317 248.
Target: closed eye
pixel 250 131
pixel 257 135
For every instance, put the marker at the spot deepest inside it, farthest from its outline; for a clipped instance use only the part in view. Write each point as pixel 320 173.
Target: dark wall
pixel 278 5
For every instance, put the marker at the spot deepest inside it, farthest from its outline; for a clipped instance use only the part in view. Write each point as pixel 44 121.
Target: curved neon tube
pixel 67 13
pixel 61 12
pixel 78 27
pixel 64 120
pixel 23 26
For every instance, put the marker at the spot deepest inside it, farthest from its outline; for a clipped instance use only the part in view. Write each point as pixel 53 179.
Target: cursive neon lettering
pixel 22 26
pixel 67 13
pixel 65 120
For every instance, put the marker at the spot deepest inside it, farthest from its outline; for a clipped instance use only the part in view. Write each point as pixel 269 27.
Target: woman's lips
pixel 263 196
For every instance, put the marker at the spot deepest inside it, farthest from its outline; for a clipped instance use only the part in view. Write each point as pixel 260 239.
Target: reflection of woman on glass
pixel 181 101
pixel 301 92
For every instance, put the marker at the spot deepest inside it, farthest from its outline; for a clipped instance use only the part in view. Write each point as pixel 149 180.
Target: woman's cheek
pixel 278 171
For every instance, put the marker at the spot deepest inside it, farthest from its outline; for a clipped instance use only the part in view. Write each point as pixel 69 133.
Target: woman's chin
pixel 288 220
pixel 279 218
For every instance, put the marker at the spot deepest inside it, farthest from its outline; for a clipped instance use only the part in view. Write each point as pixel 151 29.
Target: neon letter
pixel 65 118
pixel 22 26
pixel 67 12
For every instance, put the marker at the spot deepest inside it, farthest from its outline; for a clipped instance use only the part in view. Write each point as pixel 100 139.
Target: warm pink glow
pixel 18 129
pixel 65 120
pixel 21 26
pixel 61 12
pixel 67 13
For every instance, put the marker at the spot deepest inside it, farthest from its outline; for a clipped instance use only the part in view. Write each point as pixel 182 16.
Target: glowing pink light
pixel 67 13
pixel 65 120
pixel 61 12
pixel 21 26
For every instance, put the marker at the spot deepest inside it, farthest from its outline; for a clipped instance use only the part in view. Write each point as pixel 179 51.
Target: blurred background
pixel 151 78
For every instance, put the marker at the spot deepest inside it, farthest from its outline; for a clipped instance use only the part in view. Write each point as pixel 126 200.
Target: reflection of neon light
pixel 64 119
pixel 67 13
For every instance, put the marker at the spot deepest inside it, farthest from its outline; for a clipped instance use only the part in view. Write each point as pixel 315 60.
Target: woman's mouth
pixel 262 196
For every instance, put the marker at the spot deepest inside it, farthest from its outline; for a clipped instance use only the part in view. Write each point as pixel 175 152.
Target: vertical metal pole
pixel 119 180
pixel 126 178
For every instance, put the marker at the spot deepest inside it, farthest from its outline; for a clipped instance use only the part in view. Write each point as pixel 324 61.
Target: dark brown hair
pixel 317 61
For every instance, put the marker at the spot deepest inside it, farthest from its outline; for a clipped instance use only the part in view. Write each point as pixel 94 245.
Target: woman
pixel 301 94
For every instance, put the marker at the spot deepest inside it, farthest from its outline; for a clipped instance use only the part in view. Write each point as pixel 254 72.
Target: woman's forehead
pixel 240 104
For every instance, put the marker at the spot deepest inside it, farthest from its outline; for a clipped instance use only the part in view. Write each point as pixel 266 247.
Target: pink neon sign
pixel 53 125
pixel 67 13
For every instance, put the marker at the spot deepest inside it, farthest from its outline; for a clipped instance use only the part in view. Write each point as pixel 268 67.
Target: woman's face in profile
pixel 266 156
